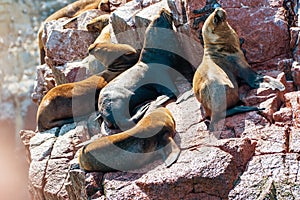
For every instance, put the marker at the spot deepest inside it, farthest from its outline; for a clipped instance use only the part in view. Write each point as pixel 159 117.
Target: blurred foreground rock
pixel 257 156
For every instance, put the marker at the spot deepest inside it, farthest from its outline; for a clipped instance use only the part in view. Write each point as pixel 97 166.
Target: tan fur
pixel 98 23
pixel 78 99
pixel 215 81
pixel 135 147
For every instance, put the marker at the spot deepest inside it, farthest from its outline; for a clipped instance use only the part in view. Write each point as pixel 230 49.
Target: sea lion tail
pixel 241 109
pixel 170 153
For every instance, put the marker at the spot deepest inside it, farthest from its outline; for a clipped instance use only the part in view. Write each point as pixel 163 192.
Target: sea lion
pixel 151 77
pixel 215 81
pixel 134 148
pixel 98 23
pixel 65 102
pixel 72 10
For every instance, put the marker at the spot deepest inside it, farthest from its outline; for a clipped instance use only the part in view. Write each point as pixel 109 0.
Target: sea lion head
pixel 217 31
pixel 163 20
pixel 114 54
pixel 160 35
pixel 98 23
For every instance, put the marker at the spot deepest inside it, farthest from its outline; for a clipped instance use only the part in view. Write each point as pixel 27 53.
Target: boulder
pixel 256 156
pixel 272 176
pixel 263 26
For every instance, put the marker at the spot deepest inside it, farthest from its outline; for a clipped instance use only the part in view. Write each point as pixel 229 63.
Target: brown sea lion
pixel 215 81
pixel 151 77
pixel 134 148
pixel 65 102
pixel 72 10
pixel 98 23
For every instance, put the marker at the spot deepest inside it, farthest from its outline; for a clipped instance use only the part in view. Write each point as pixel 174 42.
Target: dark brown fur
pixel 67 101
pixel 135 147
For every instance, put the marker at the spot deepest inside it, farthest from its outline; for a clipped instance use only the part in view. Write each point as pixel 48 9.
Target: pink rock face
pixel 257 156
pixel 295 33
pixel 68 45
pixel 293 102
pixel 261 25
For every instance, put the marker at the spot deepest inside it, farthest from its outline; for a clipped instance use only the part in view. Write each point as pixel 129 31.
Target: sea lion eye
pixel 217 19
pixel 220 16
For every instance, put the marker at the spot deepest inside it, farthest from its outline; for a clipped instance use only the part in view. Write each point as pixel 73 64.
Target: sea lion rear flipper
pixel 170 152
pixel 241 109
pixel 269 82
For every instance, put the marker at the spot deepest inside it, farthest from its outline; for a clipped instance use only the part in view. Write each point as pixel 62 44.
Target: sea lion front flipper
pixel 269 82
pixel 170 152
pixel 185 96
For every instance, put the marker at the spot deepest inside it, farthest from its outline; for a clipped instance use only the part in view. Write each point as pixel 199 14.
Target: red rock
pixel 271 106
pixel 246 124
pixel 269 175
pixel 40 149
pixel 296 74
pixel 295 32
pixel 202 196
pixel 283 116
pixel 75 185
pixel 55 175
pixel 123 23
pixel 266 35
pixel 272 139
pixel 75 71
pixel 293 102
pixel 294 140
pixel 207 167
pixel 68 45
pixel 44 82
pixel 241 150
pixel 252 4
pixel 121 185
pixel 263 27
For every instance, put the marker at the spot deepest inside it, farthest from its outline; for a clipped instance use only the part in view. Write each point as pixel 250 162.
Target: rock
pixel 269 176
pixel 83 19
pixel 283 116
pixel 51 157
pixel 293 102
pixel 75 185
pixel 67 45
pixel 25 138
pixel 40 149
pixel 294 43
pixel 44 82
pixel 146 15
pixel 122 21
pixel 263 27
pixel 256 156
pixel 296 74
pixel 207 167
pixel 294 139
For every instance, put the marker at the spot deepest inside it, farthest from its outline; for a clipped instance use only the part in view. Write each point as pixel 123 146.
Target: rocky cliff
pixel 19 22
pixel 258 154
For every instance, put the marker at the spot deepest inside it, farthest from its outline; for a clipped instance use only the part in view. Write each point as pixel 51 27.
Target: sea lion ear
pixel 220 16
